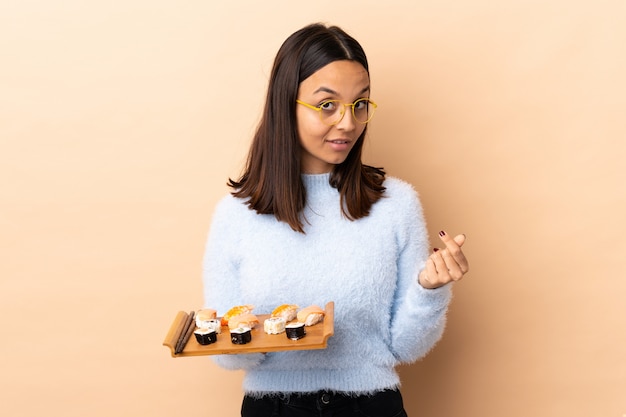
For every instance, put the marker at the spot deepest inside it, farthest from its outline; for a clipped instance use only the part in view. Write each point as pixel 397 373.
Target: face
pixel 325 146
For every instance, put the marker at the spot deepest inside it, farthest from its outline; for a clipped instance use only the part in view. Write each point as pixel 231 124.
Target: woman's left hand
pixel 445 265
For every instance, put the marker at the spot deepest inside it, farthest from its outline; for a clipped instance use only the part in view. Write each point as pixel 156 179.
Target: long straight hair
pixel 271 181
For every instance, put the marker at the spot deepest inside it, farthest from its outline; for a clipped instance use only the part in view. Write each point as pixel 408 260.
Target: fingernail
pixel 435 249
pixel 442 233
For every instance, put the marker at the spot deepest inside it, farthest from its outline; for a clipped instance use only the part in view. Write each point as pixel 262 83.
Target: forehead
pixel 341 78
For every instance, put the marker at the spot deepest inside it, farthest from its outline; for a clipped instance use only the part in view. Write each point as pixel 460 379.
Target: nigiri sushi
pixel 310 315
pixel 286 311
pixel 243 320
pixel 235 311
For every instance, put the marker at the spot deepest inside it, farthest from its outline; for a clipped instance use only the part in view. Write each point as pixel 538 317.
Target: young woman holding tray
pixel 307 222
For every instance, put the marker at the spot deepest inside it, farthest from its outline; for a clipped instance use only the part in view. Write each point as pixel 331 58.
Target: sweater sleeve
pixel 418 315
pixel 220 273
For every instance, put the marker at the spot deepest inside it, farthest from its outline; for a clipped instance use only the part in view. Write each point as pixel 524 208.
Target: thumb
pixel 460 239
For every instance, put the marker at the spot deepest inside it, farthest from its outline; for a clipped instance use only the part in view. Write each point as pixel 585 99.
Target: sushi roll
pixel 205 336
pixel 295 331
pixel 286 311
pixel 310 315
pixel 203 316
pixel 241 335
pixel 213 324
pixel 274 325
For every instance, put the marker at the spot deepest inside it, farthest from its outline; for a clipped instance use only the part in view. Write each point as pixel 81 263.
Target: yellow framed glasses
pixel 332 111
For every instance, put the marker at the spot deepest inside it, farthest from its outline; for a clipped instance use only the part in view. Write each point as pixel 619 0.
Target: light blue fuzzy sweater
pixel 368 267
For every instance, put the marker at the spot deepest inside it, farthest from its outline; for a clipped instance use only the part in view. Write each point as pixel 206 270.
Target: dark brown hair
pixel 271 181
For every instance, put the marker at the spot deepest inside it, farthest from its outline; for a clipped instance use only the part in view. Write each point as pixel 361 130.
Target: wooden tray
pixel 316 338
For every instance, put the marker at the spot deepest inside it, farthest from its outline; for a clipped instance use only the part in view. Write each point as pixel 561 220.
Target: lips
pixel 339 145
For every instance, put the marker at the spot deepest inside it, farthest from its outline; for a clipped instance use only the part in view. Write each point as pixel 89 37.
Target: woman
pixel 308 223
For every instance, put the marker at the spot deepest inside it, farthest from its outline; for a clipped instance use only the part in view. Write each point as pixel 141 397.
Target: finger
pixel 454 269
pixel 443 276
pixel 458 240
pixel 453 246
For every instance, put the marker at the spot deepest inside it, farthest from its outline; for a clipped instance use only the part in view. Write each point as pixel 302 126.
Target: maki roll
pixel 274 325
pixel 241 335
pixel 213 324
pixel 295 331
pixel 205 336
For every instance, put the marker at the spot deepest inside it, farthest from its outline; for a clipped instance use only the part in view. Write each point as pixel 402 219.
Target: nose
pixel 347 121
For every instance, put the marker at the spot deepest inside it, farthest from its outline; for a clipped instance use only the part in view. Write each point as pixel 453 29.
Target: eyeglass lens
pixel 333 111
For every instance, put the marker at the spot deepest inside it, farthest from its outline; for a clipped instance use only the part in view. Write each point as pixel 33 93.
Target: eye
pixel 328 106
pixel 361 104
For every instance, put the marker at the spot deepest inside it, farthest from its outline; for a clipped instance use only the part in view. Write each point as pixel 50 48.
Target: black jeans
pixel 386 403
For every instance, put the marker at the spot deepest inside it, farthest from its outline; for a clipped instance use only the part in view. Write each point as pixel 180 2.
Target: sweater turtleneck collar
pixel 317 184
pixel 316 180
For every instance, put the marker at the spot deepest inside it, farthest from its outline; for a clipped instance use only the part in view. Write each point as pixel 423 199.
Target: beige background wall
pixel 121 121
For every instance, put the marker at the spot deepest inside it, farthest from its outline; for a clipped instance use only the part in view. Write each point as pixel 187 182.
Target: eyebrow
pixel 331 91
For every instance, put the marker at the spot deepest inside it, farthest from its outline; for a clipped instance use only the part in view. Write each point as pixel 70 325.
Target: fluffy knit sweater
pixel 368 267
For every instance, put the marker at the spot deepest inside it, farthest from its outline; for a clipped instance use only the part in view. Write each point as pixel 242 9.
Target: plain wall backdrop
pixel 120 123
